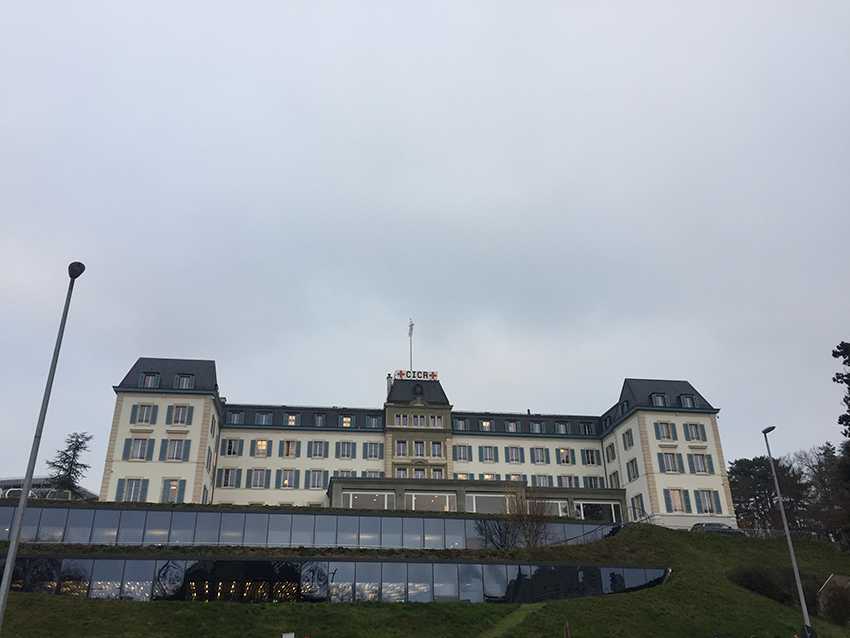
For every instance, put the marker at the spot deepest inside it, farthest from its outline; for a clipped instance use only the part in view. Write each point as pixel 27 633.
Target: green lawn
pixel 698 601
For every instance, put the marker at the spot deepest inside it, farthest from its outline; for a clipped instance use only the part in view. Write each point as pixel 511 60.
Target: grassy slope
pixel 698 601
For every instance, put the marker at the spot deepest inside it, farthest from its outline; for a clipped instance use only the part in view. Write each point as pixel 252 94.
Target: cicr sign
pixel 416 375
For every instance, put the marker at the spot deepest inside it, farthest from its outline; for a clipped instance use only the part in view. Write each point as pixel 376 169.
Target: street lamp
pixel 808 631
pixel 75 269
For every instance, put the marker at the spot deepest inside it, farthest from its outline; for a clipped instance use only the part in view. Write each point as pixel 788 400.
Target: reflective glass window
pixel 445 581
pixel 455 533
pixel 286 581
pixel 5 522
pixel 74 577
pixel 18 573
pixel 168 580
pixel 655 576
pixel 590 581
pixel 346 531
pixel 367 581
pixel 314 581
pixel 78 529
pixel 42 575
pixel 182 528
pixel 370 531
pixel 434 536
pixel 131 527
pixel 256 529
pixel 206 528
pixel 302 530
pixel 390 532
pixel 341 582
pixel 157 527
pixel 280 527
pixel 574 532
pixel 52 525
pixel 106 579
pixel 419 583
pixel 474 537
pixel 471 587
pixel 29 526
pixel 634 577
pixel 412 533
pixel 105 528
pixel 554 534
pixel 138 580
pixel 325 534
pixel 393 582
pixel 232 526
pixel 495 582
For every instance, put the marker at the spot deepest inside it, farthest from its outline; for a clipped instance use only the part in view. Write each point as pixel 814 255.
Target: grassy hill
pixel 699 600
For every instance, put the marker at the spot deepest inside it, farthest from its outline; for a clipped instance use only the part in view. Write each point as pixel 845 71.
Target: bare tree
pixel 523 526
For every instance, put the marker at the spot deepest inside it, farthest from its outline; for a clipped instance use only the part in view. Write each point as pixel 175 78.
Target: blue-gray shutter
pixel 307 478
pixel 480 453
pixel 268 479
pixel 241 447
pixel 223 447
pixel 169 415
pixel 507 454
pixel 326 447
pixel 698 502
pixel 657 432
pixel 522 455
pixel 150 445
pixel 702 432
pixel 309 449
pixel 525 478
pixel 143 495
pixel 126 453
pixel 480 477
pixel 189 414
pixel 498 477
pixel 454 475
pixel 673 431
pixel 297 449
pixel 709 463
pixel 280 448
pixel 365 453
pixel 687 432
pixel 661 467
pixel 572 456
pixel 163 498
pixel 219 476
pixel 119 491
pixel 454 453
pixel 238 478
pixel 496 453
pixel 134 414
pixel 181 490
pixel 469 452
pixel 187 446
pixel 325 479
pixel 668 502
pixel 686 496
pixel 163 449
pixel 337 446
pixel 716 496
pixel 558 456
pixel 278 479
pixel 381 450
pixel 353 450
pixel 248 475
pixel 295 480
pixel 546 455
pixel 691 464
pixel 253 447
pixel 680 464
pixel 154 412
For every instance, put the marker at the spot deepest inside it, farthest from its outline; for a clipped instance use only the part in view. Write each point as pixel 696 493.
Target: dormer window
pixel 588 429
pixel 184 381
pixel 536 427
pixel 687 400
pixel 659 400
pixel 486 425
pixel 319 420
pixel 460 424
pixel 263 418
pixel 510 426
pixel 561 428
pixel 236 418
pixel 149 380
pixel 346 421
pixel 624 407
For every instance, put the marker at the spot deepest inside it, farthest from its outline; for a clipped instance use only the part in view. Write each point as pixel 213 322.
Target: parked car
pixel 716 528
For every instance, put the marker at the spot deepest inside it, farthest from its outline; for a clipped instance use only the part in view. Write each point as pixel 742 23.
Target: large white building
pixel 655 454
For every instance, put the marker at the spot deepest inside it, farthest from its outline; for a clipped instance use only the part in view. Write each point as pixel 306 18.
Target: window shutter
pixel 325 479
pixel 238 478
pixel 278 479
pixel 126 453
pixel 163 498
pixel 365 452
pixel 219 475
pixel 119 491
pixel 134 414
pixel 249 474
pixel 337 447
pixel 280 448
pixel 661 467
pixel 480 477
pixel 522 455
pixel 698 501
pixel 558 455
pixel 181 490
pixel 546 455
pixel 223 447
pixel 709 463
pixel 154 412
pixel 163 449
pixel 143 495
pixel 702 432
pixel 297 449
pixel 187 446
pixel 680 464
pixel 241 447
pixel 169 415
pixel 716 495
pixel 381 449
pixel 673 431
pixel 309 449
pixel 686 497
pixel 668 502
pixel 149 446
pixel 454 453
pixel 307 479
pixel 691 464
pixel 267 479
pixel 296 479
pixel 657 431
pixel 496 453
pixel 189 413
pixel 253 447
pixel 525 478
pixel 480 453
pixel 498 477
pixel 572 456
pixel 507 454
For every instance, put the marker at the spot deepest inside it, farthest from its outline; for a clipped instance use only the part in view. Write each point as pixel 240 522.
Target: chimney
pixel 389 383
pixel 529 411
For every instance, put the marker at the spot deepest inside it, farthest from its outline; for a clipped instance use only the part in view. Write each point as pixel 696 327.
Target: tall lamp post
pixel 808 631
pixel 75 269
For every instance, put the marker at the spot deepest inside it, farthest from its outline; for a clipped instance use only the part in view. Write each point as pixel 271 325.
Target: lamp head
pixel 768 430
pixel 75 269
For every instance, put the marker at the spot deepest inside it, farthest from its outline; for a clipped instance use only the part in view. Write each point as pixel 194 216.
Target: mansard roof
pixel 203 371
pixel 409 391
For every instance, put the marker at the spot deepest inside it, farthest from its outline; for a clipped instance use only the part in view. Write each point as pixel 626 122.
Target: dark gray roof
pixel 638 392
pixel 250 416
pixel 407 391
pixel 202 369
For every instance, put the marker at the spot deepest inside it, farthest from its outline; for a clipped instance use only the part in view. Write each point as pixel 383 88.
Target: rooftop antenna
pixel 410 336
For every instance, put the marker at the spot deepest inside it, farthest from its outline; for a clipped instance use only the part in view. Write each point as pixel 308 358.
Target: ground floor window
pixel 637 510
pixel 487 503
pixel 599 511
pixel 430 502
pixel 549 508
pixel 368 500
pixel 133 490
pixel 707 501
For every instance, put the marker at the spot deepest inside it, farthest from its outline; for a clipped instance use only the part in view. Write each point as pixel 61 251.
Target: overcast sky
pixel 560 194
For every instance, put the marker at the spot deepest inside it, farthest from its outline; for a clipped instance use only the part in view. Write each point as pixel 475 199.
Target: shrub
pixel 835 605
pixel 777 584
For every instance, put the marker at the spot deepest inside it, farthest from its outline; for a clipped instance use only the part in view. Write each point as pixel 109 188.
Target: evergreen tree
pixel 842 351
pixel 754 494
pixel 67 468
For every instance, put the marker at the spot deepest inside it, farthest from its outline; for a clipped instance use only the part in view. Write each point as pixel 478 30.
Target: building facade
pixel 656 454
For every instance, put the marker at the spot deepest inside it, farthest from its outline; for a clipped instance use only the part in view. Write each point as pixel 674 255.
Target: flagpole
pixel 410 336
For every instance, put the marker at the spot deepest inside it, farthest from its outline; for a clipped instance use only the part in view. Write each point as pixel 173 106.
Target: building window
pixel 346 421
pixel 212 427
pixel 209 458
pixel 345 473
pixel 228 477
pixel 677 501
pixel 588 429
pixel 700 464
pixel 462 453
pixel 638 511
pixel 695 432
pixel 316 481
pixel 258 479
pixel 185 381
pixel 401 472
pixel 261 448
pixel 488 453
pixel 486 425
pixel 536 427
pixel 180 415
pixel 205 496
pixel 139 449
pixel 289 449
pixel 707 501
pixel 319 420
pixel 436 449
pixel 514 477
pixel 510 426
pixel 591 457
pixel 419 448
pixel 400 448
pixel 568 480
pixel 593 482
pixel 232 447
pixel 346 449
pixel 150 380
pixel 488 477
pixel 486 503
pixel 133 491
pixel 397 420
pixel 514 455
pixel 368 500
pixel 291 419
pixel 610 453
pixel 373 451
pixel 632 470
pixel 561 428
pixel 287 479
pixel 566 456
pixel 538 455
pixel 659 401
pixel 145 414
pixel 437 473
pixel 541 480
pixel 462 476
pixel 317 449
pixel 263 418
pixel 460 424
pixel 665 432
pixel 624 407
pixel 628 440
pixel 235 418
pixel 669 462
pixel 614 480
pixel 174 450
pixel 374 422
pixel 687 401
pixel 440 421
pixel 419 473
pixel 372 474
